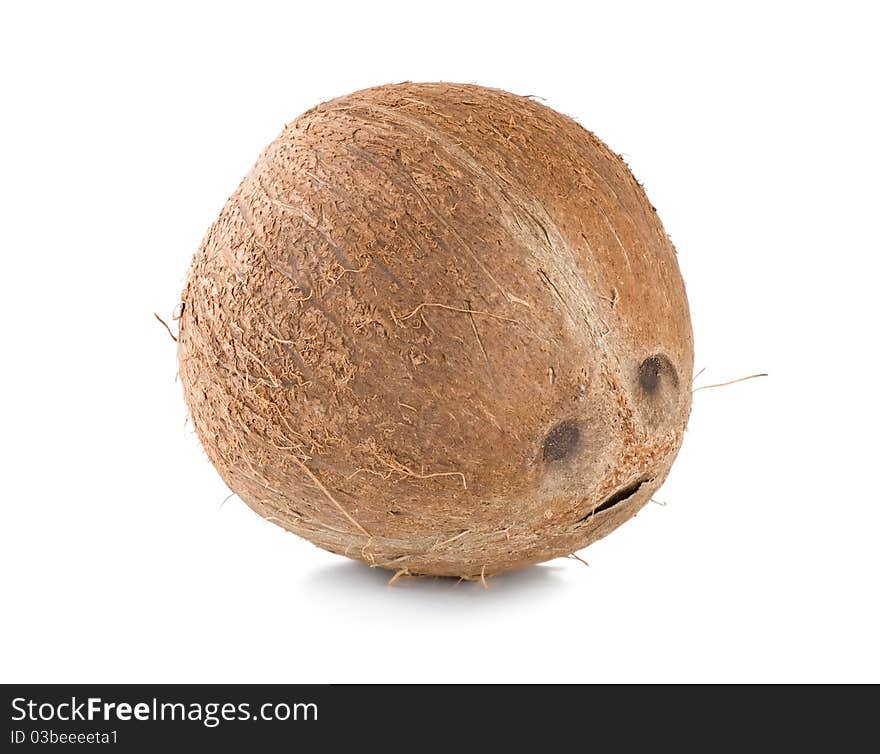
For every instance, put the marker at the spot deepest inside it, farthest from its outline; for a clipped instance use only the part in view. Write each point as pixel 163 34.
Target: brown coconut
pixel 440 329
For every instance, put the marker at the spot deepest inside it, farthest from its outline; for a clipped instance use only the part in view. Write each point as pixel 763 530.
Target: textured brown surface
pixel 438 328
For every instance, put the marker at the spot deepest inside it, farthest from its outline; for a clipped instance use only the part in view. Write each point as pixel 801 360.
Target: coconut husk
pixel 438 328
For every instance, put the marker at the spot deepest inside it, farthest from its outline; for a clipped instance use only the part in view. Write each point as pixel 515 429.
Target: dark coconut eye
pixel 649 373
pixel 655 388
pixel 561 441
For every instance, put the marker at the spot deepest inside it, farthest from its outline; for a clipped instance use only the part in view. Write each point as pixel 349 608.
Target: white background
pixel 755 131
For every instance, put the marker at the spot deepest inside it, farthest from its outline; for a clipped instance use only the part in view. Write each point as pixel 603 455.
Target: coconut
pixel 440 329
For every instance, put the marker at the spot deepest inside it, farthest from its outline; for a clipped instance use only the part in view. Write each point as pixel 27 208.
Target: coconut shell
pixel 438 328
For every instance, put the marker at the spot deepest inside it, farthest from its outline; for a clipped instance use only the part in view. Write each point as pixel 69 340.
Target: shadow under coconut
pixel 351 583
